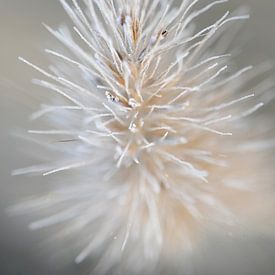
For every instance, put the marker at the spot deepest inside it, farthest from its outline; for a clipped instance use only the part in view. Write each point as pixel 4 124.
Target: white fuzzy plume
pixel 150 133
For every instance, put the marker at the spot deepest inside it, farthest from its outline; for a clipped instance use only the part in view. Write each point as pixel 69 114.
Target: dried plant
pixel 150 134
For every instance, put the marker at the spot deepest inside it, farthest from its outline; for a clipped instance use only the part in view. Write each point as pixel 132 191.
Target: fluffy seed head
pixel 150 132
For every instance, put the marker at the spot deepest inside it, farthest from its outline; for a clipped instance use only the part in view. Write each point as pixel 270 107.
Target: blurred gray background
pixel 21 33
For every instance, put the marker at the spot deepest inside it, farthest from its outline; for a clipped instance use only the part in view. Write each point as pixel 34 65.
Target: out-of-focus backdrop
pixel 21 33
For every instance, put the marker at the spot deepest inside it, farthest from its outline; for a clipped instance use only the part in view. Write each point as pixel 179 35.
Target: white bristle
pixel 158 143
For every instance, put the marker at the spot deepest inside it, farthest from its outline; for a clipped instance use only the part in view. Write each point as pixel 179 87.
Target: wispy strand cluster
pixel 149 129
